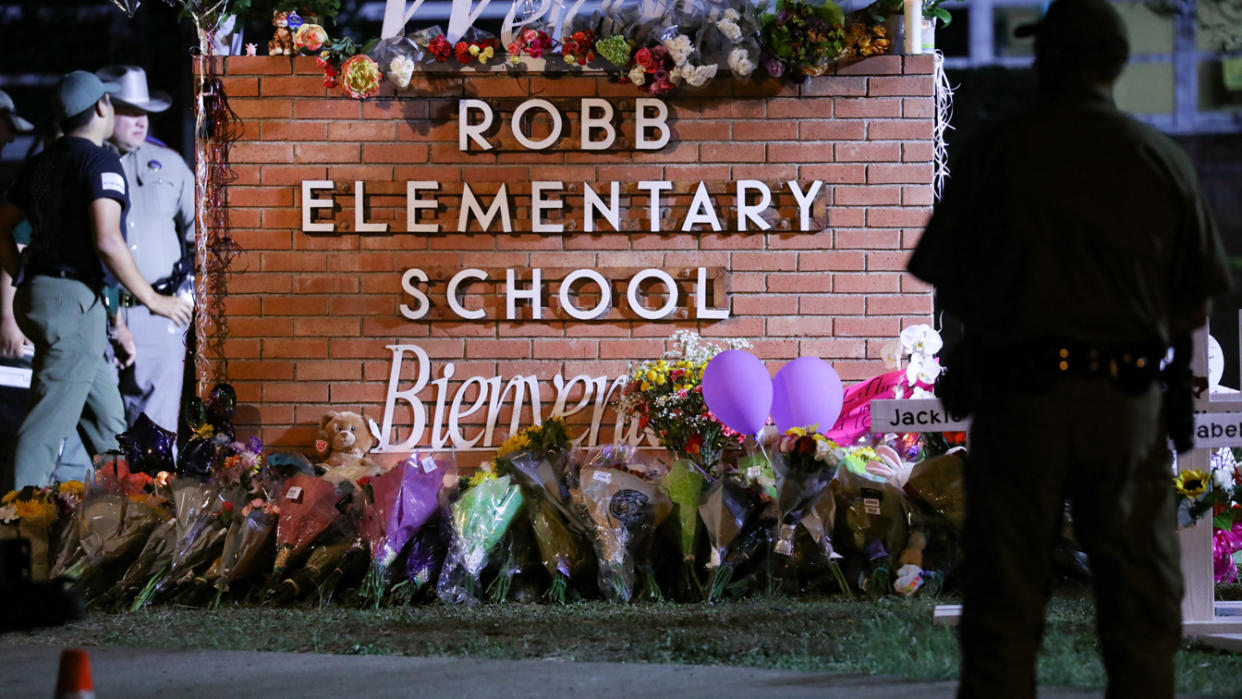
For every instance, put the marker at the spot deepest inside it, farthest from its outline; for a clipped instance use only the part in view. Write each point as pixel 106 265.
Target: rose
pixel 400 70
pixel 311 37
pixel 360 77
pixel 461 52
pixel 440 48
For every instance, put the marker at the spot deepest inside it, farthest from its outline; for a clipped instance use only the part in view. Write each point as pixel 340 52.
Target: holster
pixel 1178 383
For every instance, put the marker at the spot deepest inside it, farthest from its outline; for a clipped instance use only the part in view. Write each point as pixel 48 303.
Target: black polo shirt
pixel 55 190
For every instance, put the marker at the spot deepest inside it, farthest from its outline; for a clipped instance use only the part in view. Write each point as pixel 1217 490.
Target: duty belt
pixel 1132 366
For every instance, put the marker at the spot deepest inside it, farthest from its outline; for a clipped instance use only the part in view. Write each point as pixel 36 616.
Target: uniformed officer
pixel 75 196
pixel 1075 245
pixel 160 229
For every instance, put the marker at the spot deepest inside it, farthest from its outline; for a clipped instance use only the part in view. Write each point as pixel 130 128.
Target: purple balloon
pixel 806 392
pixel 738 389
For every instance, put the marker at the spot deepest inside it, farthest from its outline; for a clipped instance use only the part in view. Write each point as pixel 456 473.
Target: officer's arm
pixel 10 257
pixel 106 220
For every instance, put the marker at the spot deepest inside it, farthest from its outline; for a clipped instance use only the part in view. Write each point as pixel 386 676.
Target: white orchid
pixel 923 369
pixel 891 354
pixel 920 340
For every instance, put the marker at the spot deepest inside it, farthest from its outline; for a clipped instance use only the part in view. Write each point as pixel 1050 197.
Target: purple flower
pixel 773 65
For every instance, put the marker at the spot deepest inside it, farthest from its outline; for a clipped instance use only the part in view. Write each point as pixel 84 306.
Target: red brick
pixel 800 152
pixel 867 108
pixel 831 130
pixel 261 108
pixel 497 349
pixel 868 238
pixel 835 86
pixel 917 195
pixel 799 283
pixel 867 152
pixel 261 153
pixel 800 108
pixel 394 153
pixel 293 86
pixel 914 86
pixel 282 130
pixel 332 108
pixel 874 327
pixel 918 108
pixel 888 260
pixel 830 260
pixel 866 283
pixel 326 153
pixel 240 86
pixel 897 218
pixel 294 348
pixel 922 64
pixel 837 174
pixel 871 195
pixel 917 152
pixel 897 305
pixel 831 349
pixel 920 173
pixel 836 305
pixel 900 129
pixel 875 65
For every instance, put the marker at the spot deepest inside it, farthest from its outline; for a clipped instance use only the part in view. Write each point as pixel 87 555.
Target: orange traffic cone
pixel 74 680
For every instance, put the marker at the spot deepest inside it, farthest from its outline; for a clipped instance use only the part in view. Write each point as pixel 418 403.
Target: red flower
pixel 462 51
pixel 440 48
pixel 227 507
pixel 364 481
pixel 644 59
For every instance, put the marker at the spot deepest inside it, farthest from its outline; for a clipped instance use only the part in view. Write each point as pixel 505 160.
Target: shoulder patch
pixel 112 181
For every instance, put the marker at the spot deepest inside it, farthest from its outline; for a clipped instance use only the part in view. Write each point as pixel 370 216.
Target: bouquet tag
pixel 754 472
pixel 428 464
pixel 784 544
pixel 294 493
pixel 871 500
pixel 602 476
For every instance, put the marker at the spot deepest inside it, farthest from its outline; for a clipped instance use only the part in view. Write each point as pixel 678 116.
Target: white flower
pixel 730 29
pixel 8 514
pixel 638 75
pixel 1222 479
pixel 732 15
pixel 919 393
pixel 400 70
pixel 679 48
pixel 891 354
pixel 740 63
pixel 922 369
pixel 920 339
pixel 697 76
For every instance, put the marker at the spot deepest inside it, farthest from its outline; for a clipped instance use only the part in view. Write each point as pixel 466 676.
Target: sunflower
pixel 1191 484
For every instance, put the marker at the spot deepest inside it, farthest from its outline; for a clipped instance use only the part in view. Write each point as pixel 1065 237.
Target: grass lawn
pixel 891 637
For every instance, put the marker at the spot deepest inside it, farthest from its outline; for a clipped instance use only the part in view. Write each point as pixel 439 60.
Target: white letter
pixel 632 294
pixel 408 287
pixel 521 385
pixel 701 211
pixel 562 394
pixel 470 205
pixel 534 295
pixel 455 412
pixel 746 211
pixel 612 213
pixel 413 204
pixel 702 312
pixel 805 201
pixel 408 395
pixel 438 440
pixel 538 204
pixel 642 123
pixel 451 293
pixel 360 225
pixel 517 125
pixel 466 131
pixel 309 203
pixel 604 122
pixel 653 189
pixel 605 294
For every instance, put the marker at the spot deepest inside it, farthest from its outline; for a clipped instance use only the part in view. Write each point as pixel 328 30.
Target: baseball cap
pixel 1077 22
pixel 79 91
pixel 8 109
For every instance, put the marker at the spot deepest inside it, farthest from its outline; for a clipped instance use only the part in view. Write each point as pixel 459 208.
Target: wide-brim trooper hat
pixel 134 91
pixel 8 109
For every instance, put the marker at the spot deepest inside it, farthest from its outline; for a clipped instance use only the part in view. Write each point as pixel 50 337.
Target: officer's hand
pixel 174 308
pixel 11 339
pixel 123 347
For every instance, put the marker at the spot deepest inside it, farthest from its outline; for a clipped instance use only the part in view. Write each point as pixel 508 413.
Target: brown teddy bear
pixel 282 41
pixel 342 446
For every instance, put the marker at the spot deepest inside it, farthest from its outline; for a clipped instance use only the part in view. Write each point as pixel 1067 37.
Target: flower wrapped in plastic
pixel 198 534
pixel 434 43
pixel 638 21
pixel 729 39
pixel 684 484
pixel 530 42
pixel 802 37
pixel 476 46
pixel 479 520
pixel 425 557
pixel 732 517
pixel 395 505
pixel 871 518
pixel 114 521
pixel 538 458
pixel 246 544
pixel 397 56
pixel 578 48
pixel 619 491
pixel 42 516
pixel 307 510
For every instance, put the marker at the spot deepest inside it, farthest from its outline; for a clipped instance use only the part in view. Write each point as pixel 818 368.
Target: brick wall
pixel 309 315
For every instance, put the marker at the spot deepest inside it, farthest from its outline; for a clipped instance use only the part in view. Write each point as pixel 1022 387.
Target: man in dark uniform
pixel 75 197
pixel 1075 246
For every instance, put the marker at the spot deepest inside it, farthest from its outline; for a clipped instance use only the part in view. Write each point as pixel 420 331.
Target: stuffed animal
pixel 282 41
pixel 910 565
pixel 342 446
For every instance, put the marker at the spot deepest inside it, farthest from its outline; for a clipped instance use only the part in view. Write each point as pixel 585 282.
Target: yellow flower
pixel 9 497
pixel 645 387
pixel 651 376
pixel 485 473
pixel 360 77
pixel 487 54
pixel 74 488
pixel 311 37
pixel 36 513
pixel 1191 484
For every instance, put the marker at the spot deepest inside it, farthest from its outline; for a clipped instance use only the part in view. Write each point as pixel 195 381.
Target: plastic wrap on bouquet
pixel 394 506
pixel 728 510
pixel 397 57
pixel 637 20
pixel 199 533
pixel 113 528
pixel 247 543
pixel 151 565
pixel 425 557
pixel 870 522
pixel 435 45
pixel 479 520
pixel 939 484
pixel 561 554
pixel 307 510
pixel 684 485
pixel 728 39
pixel 625 510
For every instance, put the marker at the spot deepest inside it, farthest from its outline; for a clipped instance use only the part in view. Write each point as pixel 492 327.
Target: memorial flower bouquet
pixel 871 513
pixel 538 458
pixel 476 45
pixel 40 516
pixel 802 38
pixel 394 506
pixel 578 49
pixel 618 489
pixel 666 395
pixel 531 42
pixel 248 540
pixel 1216 491
pixel 479 520
pixel 732 516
